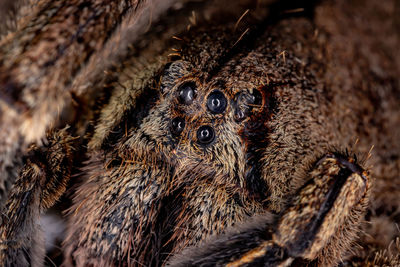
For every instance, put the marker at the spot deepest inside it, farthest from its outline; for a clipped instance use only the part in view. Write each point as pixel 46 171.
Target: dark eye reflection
pixel 177 126
pixel 205 134
pixel 245 103
pixel 216 102
pixel 187 93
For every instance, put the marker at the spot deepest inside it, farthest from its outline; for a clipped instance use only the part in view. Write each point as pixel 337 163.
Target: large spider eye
pixel 205 134
pixel 216 102
pixel 187 93
pixel 177 125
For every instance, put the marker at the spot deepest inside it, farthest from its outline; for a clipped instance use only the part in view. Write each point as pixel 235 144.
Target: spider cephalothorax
pixel 202 152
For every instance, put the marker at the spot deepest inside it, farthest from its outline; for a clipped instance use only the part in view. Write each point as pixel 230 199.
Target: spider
pixel 226 142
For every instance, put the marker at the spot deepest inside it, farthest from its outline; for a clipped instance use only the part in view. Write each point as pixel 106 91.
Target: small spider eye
pixel 245 102
pixel 216 102
pixel 187 93
pixel 205 134
pixel 177 125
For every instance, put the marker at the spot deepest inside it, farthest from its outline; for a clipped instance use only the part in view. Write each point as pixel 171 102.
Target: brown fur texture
pixel 306 232
pixel 41 182
pixel 299 83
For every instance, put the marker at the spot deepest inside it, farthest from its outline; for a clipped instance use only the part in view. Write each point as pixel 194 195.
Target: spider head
pixel 205 122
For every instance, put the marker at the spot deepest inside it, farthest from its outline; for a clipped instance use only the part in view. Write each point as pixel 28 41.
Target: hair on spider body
pixel 190 133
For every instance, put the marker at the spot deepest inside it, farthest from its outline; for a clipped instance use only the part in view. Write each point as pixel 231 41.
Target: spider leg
pixel 42 180
pixel 37 65
pixel 54 63
pixel 117 211
pixel 317 227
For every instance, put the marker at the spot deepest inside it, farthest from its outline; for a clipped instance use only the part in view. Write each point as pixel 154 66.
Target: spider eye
pixel 205 134
pixel 245 102
pixel 187 93
pixel 256 97
pixel 216 102
pixel 177 125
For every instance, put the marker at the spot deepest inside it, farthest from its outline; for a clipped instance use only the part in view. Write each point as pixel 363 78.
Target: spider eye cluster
pixel 216 103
